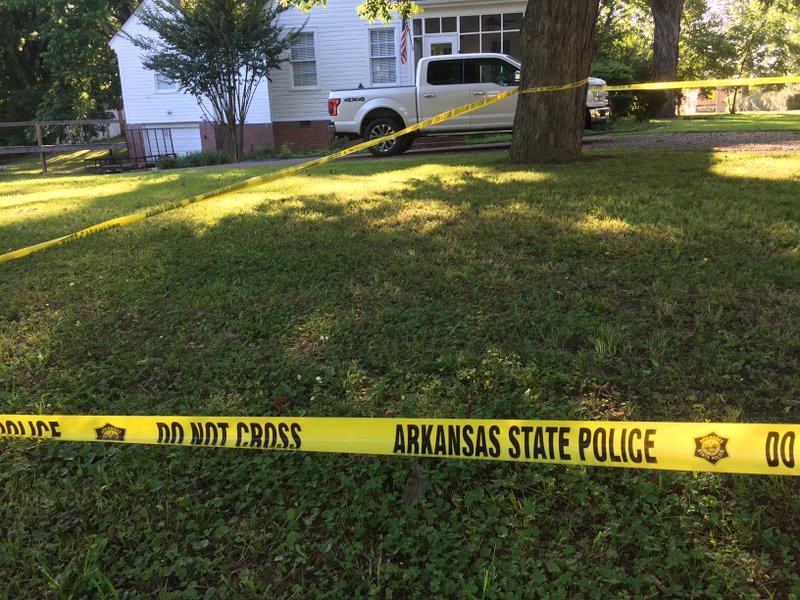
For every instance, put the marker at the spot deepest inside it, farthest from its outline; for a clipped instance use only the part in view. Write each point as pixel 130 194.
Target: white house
pixel 336 50
pixel 154 105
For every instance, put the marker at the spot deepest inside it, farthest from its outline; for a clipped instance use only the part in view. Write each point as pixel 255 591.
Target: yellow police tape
pixel 766 449
pixel 260 179
pixel 263 179
pixel 700 83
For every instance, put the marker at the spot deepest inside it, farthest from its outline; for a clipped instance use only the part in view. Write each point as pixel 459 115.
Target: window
pixel 445 72
pixel 382 62
pixel 165 84
pixel 490 70
pixel 304 61
pixel 490 23
pixel 498 32
pixel 432 25
pixel 470 24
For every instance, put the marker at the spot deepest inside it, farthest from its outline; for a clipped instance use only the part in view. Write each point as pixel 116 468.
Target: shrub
pixel 205 158
pixel 793 102
pixel 615 72
pixel 646 105
pixel 167 162
pixel 193 159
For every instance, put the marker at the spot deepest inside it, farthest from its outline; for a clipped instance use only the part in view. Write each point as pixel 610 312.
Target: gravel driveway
pixel 747 141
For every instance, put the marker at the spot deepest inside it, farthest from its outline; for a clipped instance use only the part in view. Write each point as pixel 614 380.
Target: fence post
pixel 39 141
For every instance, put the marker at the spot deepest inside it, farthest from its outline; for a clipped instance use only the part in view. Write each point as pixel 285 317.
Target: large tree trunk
pixel 557 38
pixel 667 17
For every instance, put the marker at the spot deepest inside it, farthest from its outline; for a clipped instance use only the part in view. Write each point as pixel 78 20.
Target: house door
pixel 439 45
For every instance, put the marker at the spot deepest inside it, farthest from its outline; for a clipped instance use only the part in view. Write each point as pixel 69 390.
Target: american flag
pixel 404 42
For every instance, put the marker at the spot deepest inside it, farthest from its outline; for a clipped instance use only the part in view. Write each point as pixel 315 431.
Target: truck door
pixel 488 77
pixel 443 88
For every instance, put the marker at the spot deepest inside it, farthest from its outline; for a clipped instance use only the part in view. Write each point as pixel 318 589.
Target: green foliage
pixel 218 51
pixel 55 62
pixel 760 41
pixel 733 38
pixel 704 48
pixel 793 102
pixel 624 54
pixel 614 72
pixel 283 152
pixel 205 158
pixel 624 35
pixel 372 10
pixel 22 76
pixel 635 285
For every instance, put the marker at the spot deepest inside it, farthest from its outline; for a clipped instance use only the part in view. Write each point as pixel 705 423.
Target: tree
pixel 741 38
pixel 218 51
pixel 22 78
pixel 82 68
pixel 55 62
pixel 624 34
pixel 667 18
pixel 557 42
pixel 703 45
pixel 760 40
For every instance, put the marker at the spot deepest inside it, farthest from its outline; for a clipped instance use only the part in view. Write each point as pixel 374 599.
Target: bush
pixel 616 73
pixel 193 159
pixel 206 158
pixel 793 102
pixel 646 105
pixel 167 162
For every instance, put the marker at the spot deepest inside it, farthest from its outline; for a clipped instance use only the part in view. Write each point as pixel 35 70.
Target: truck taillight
pixel 333 107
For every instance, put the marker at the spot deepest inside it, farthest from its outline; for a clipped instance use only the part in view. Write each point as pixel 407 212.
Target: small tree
pixel 218 51
pixel 761 41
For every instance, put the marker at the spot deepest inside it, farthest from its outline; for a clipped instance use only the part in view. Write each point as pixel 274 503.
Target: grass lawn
pixel 633 285
pixel 748 121
pixel 62 163
pixel 704 123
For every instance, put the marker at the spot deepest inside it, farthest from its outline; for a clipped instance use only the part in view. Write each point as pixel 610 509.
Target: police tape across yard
pixel 264 179
pixel 762 449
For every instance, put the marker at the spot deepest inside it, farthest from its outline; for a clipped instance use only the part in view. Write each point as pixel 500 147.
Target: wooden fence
pixel 44 149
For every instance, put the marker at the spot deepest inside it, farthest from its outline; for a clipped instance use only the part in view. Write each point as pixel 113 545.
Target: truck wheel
pixel 383 127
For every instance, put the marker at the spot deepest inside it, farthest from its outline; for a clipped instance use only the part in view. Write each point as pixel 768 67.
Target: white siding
pixel 144 105
pixel 342 51
pixel 341 41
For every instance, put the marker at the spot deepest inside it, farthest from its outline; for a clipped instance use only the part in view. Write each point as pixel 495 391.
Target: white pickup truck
pixel 443 83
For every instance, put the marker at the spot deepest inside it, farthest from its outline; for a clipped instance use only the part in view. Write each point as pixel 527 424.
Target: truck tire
pixel 383 127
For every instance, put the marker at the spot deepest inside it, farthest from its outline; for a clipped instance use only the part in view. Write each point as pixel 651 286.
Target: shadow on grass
pixel 483 292
pixel 580 292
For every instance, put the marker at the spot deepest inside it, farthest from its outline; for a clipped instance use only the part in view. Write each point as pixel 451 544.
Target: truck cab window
pixel 490 70
pixel 446 72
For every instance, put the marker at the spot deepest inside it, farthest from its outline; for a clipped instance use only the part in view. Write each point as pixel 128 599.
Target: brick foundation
pixel 302 135
pixel 257 136
pixel 208 137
